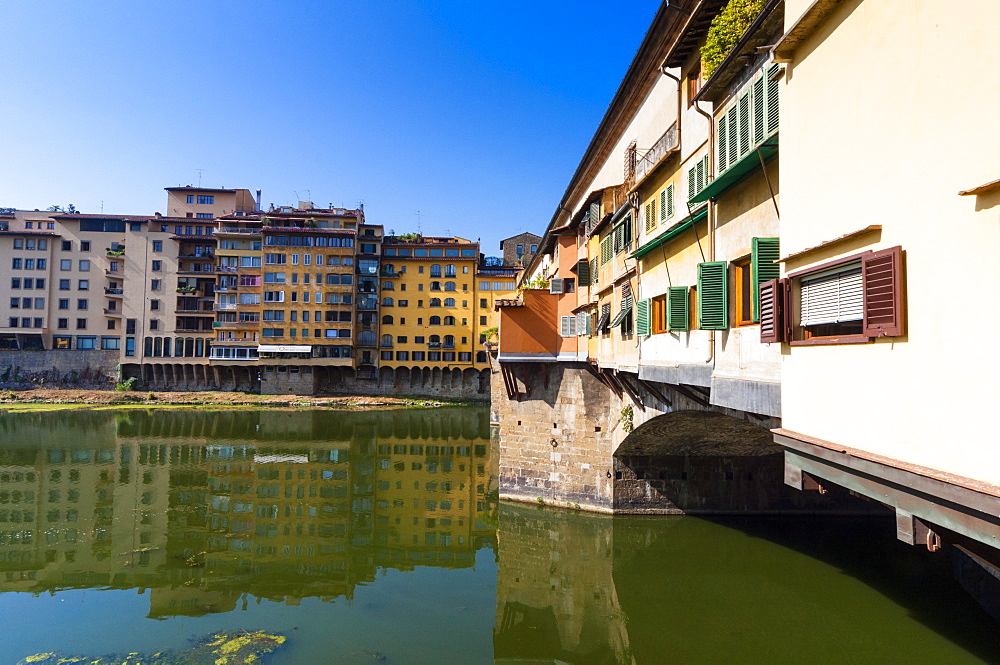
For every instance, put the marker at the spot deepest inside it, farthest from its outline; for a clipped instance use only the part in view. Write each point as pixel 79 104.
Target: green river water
pixel 376 537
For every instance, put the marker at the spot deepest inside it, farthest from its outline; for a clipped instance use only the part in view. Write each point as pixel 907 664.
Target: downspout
pixel 711 217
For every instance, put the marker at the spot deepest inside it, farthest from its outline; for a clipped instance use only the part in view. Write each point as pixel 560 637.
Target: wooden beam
pixel 632 392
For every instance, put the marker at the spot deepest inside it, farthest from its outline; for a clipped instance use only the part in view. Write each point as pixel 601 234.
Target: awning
pixel 738 171
pixel 671 233
pixel 284 348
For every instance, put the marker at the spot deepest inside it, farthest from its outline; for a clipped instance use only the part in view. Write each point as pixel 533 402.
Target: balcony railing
pixel 113 292
pixel 389 273
pixel 664 146
pixel 224 307
pixel 225 268
pixel 245 232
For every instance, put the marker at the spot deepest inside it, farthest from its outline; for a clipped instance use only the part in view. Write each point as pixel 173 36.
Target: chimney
pixel 305 205
pixel 258 201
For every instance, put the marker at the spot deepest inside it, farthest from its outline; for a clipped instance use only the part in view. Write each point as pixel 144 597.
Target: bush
pixel 727 27
pixel 126 385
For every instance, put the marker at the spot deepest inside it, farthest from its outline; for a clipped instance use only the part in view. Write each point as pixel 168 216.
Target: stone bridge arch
pixel 701 462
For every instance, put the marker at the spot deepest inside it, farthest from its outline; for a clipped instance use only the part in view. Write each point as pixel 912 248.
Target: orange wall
pixel 532 328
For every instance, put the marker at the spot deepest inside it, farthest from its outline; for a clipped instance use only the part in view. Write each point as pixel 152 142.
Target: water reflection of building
pixel 206 508
pixel 556 596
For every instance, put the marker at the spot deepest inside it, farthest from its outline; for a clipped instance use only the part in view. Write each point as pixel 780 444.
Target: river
pixel 376 536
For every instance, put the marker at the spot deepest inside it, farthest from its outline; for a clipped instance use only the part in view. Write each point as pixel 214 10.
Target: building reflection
pixel 556 596
pixel 212 510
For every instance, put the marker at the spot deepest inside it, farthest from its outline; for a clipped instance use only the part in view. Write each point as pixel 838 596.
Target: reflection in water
pixel 208 509
pixel 580 589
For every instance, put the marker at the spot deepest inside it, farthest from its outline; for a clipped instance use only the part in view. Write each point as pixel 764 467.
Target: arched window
pixel 189 347
pixel 435 270
pixel 147 347
pixel 449 286
pixel 388 269
pixel 179 347
pixel 157 347
pixel 388 286
pixel 166 347
pixel 387 319
pixel 435 321
pixel 449 320
pixel 449 270
pixel 435 302
pixel 434 339
pixel 199 347
pixel 435 286
pixel 449 341
pixel 386 341
pixel 387 302
pixel 480 356
pixel 449 302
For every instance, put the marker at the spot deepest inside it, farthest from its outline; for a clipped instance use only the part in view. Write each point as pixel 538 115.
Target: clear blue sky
pixel 473 113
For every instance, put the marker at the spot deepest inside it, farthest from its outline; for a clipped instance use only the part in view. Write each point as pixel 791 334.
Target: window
pixel 67 245
pixel 854 300
pixel 15 283
pixel 62 324
pixel 697 177
pixel 84 245
pixel 84 265
pixel 16 264
pixel 482 320
pixel 110 343
pixel 157 245
pixel 713 295
pixel 190 198
pixel 693 83
pixel 203 215
pixel 154 285
pixel 154 304
pixel 154 324
pixel 81 324
pixel 157 266
pixel 743 292
pixel 206 200
pixel 81 303
pixel 667 203
pixel 64 303
pixel 86 342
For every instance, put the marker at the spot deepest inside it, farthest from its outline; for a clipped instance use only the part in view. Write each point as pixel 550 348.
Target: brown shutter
pixel 772 311
pixel 787 322
pixel 882 275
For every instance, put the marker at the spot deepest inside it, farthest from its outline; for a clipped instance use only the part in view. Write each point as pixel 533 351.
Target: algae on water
pixel 239 648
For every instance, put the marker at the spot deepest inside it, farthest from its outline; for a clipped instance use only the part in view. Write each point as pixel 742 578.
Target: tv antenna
pixel 419 231
pixel 200 171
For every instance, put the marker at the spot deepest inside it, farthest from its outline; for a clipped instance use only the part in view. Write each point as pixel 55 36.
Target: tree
pixel 54 209
pixel 493 261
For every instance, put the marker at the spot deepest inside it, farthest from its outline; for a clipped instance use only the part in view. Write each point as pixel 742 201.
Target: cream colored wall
pixel 885 116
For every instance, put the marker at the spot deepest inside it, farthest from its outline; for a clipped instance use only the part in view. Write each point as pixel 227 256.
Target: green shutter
pixel 594 270
pixel 772 99
pixel 758 109
pixel 606 254
pixel 667 203
pixel 713 295
pixel 583 272
pixel 721 142
pixel 651 215
pixel 763 267
pixel 678 307
pixel 691 183
pixel 642 317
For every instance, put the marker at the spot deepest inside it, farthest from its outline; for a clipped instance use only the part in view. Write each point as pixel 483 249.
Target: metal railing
pixel 664 146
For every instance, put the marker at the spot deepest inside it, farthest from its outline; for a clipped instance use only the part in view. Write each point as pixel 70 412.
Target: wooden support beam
pixel 632 392
pixel 691 395
pixel 655 392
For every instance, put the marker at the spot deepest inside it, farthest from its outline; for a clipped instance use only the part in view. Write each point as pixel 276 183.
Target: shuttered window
pixel 556 285
pixel 622 234
pixel 594 216
pixel 678 308
pixel 602 323
pixel 713 295
pixel 751 120
pixel 667 203
pixel 567 326
pixel 594 270
pixel 763 267
pixel 697 177
pixel 650 211
pixel 582 318
pixel 606 249
pixel 583 272
pixel 642 317
pixel 833 296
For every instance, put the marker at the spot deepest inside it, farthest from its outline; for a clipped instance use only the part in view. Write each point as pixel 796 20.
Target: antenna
pixel 102 206
pixel 309 195
pixel 419 231
pixel 200 171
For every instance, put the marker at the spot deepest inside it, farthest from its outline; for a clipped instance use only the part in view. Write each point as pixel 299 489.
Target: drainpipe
pixel 663 70
pixel 711 218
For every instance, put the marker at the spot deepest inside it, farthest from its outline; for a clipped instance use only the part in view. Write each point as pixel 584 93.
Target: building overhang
pixel 670 234
pixel 803 28
pixel 918 494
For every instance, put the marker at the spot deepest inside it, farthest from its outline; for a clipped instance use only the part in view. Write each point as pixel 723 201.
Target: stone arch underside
pixel 703 462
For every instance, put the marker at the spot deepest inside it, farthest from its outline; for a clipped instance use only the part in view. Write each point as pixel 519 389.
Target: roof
pixel 27 233
pixel 129 218
pixel 190 188
pixel 694 30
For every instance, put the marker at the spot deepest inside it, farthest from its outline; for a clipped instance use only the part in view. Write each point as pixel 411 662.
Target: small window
pixel 743 292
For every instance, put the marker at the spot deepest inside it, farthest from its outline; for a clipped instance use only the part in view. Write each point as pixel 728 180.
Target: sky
pixel 463 118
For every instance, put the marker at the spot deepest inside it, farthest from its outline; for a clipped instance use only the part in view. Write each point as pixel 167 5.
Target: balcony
pixel 237 231
pixel 389 273
pixel 117 274
pixel 225 307
pixel 226 268
pixel 113 292
pixel 433 345
pixel 197 255
pixel 112 312
pixel 195 270
pixel 187 289
pixel 664 146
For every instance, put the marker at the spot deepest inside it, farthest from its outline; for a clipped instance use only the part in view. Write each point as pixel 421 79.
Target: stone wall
pixel 57 368
pixel 556 444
